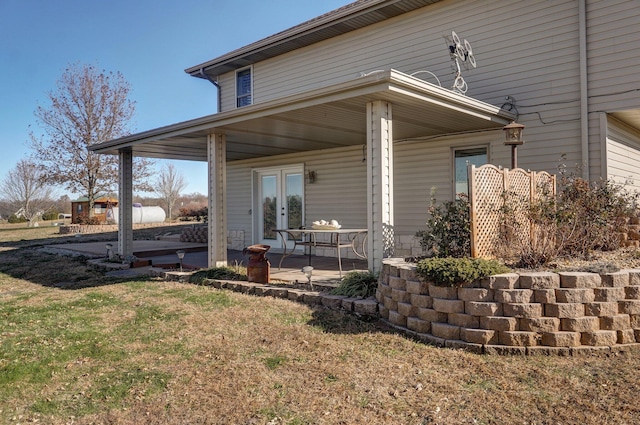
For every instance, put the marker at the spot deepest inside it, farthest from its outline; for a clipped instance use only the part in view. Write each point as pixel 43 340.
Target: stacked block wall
pixel 563 311
pixel 630 233
pixel 194 234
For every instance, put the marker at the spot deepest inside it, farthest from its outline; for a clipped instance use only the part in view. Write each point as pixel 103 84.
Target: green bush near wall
pixel 449 271
pixel 357 284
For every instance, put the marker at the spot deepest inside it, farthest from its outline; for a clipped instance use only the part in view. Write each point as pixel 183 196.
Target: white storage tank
pixel 141 215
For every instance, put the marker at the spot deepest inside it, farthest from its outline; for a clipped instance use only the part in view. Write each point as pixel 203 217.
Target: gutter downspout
pixel 584 91
pixel 215 83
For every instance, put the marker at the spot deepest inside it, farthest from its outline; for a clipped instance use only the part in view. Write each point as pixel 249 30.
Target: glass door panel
pixel 269 203
pixel 280 198
pixel 293 190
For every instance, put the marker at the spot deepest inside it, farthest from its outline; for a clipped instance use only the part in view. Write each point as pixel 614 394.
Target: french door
pixel 279 203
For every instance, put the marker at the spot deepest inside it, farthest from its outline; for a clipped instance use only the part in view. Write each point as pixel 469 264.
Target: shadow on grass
pixel 338 322
pixel 54 270
pixel 21 257
pixel 42 236
pixel 26 242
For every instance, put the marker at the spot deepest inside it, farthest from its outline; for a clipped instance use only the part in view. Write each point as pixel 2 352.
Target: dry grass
pixel 20 236
pixel 153 352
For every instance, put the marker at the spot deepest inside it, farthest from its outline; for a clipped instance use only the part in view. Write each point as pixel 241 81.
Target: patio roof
pixel 324 118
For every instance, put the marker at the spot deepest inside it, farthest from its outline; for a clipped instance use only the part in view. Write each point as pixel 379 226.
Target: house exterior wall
pixel 81 208
pixel 339 191
pixel 613 33
pixel 340 188
pixel 527 50
pixel 623 154
pixel 77 210
pixel 423 165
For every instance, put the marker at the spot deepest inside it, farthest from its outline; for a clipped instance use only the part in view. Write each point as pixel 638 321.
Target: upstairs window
pixel 463 157
pixel 244 87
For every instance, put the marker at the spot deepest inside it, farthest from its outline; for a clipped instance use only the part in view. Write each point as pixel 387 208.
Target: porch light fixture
pixel 311 177
pixel 308 271
pixel 513 137
pixel 180 253
pixel 109 250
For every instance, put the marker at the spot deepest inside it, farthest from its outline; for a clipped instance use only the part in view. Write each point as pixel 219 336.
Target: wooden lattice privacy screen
pixel 488 185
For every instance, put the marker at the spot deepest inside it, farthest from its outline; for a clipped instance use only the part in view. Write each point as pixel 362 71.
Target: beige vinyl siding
pixel 425 164
pixel 525 49
pixel 529 50
pixel 239 204
pixel 612 27
pixel 228 92
pixel 339 191
pixel 623 154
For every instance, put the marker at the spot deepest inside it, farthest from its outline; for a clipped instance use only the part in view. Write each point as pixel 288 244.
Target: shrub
pixel 450 271
pixel 583 217
pixel 357 284
pixel 448 232
pixel 528 229
pixel 191 214
pixel 219 273
pixel 50 215
pixel 590 213
pixel 15 219
pixel 86 220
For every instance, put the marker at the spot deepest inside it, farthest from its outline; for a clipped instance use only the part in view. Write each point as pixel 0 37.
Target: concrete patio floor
pixel 162 252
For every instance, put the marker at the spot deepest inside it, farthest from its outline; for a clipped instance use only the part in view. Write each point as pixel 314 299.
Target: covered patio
pixel 162 254
pixel 374 110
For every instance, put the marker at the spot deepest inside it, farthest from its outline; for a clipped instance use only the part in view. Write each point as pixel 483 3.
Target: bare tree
pixel 169 185
pixel 25 188
pixel 88 107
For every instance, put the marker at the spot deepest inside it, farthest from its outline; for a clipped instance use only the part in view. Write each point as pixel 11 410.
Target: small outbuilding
pixel 101 206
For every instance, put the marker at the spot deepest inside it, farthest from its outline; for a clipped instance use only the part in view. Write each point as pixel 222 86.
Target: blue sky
pixel 150 42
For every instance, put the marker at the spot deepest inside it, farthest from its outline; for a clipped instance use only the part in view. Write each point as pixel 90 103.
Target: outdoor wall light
pixel 109 250
pixel 311 177
pixel 308 271
pixel 513 137
pixel 180 253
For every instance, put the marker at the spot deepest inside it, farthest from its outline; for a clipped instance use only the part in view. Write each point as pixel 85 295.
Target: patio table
pixel 338 239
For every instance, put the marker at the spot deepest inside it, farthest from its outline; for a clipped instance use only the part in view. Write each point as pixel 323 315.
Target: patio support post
pixel 125 203
pixel 379 183
pixel 216 158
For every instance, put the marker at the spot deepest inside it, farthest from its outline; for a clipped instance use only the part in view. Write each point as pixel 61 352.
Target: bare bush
pixel 583 217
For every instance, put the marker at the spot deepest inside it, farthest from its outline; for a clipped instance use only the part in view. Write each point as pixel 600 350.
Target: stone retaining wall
pixel 195 234
pixel 200 234
pixel 72 229
pixel 527 313
pixel 360 306
pixel 630 233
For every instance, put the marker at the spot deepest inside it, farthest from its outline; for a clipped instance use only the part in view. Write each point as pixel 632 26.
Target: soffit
pixel 321 119
pixel 351 17
pixel 630 117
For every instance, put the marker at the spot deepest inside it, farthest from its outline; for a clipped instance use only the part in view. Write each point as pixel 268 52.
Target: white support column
pixel 217 166
pixel 125 204
pixel 380 183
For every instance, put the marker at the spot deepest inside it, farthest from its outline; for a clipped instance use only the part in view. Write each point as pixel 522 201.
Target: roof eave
pixel 372 84
pixel 341 21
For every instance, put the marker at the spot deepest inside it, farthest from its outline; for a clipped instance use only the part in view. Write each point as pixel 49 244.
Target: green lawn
pixel 153 352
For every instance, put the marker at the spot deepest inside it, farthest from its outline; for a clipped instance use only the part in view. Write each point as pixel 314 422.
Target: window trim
pixel 250 94
pixel 454 150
